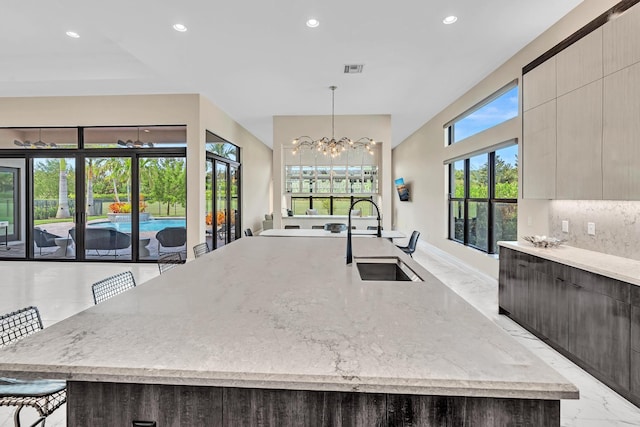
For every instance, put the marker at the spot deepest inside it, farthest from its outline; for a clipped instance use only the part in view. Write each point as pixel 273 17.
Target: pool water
pixel 153 225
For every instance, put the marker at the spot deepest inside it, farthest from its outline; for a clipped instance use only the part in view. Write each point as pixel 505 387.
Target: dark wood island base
pixel 119 404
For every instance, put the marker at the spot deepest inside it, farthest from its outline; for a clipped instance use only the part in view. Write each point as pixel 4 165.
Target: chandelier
pixel 331 146
pixel 135 144
pixel 37 144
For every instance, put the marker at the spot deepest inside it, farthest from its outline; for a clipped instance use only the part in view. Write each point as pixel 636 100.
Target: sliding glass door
pixel 9 205
pixel 54 207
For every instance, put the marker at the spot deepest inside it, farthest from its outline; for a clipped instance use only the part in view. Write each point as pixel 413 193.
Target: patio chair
pixel 171 237
pixel 44 239
pixel 168 261
pixel 103 239
pixel 112 286
pixel 45 396
pixel 200 249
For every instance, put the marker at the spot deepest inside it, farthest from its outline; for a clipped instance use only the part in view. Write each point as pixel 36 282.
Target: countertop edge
pixel 494 389
pixel 583 259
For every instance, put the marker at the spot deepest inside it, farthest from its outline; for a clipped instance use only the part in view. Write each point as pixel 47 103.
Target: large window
pixel 483 196
pixel 95 193
pixel 331 179
pixel 496 109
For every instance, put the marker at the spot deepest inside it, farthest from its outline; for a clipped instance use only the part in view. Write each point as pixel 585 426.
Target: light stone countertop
pixel 287 313
pixel 615 267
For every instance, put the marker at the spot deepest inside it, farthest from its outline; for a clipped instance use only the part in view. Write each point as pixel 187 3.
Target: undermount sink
pixel 386 269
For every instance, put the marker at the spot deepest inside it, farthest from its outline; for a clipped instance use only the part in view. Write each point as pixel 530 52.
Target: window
pixel 329 205
pixel 332 179
pixel 498 108
pixel 483 199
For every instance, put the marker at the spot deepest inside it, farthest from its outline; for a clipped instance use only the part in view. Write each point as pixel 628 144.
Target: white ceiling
pixel 256 58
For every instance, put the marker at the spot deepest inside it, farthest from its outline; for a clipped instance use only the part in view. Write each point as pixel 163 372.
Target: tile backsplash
pixel 617 225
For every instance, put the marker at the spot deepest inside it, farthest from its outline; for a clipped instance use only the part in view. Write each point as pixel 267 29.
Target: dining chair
pixel 112 286
pixel 248 232
pixel 317 227
pixel 411 247
pixel 291 227
pixel 45 396
pixel 373 227
pixel 168 261
pixel 200 249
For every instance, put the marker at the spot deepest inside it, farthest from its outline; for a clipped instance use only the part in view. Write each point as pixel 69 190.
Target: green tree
pixel 168 181
pixel 63 191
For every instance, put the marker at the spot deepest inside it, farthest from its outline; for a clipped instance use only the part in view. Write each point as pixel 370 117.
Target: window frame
pixel 491 200
pixel 449 127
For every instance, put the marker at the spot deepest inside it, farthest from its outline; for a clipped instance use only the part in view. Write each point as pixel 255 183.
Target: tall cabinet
pixel 581 111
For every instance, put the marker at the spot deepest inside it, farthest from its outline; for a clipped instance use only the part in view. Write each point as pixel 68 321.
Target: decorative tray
pixel 544 241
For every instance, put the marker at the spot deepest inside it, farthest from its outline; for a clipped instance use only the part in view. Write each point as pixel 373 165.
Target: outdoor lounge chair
pixel 103 239
pixel 171 237
pixel 44 239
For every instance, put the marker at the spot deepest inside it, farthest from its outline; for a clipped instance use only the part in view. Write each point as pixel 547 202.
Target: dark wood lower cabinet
pixel 117 404
pixel 634 379
pixel 589 318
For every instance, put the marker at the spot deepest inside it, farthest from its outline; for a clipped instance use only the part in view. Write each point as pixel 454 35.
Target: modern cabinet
pixel 620 41
pixel 634 378
pixel 539 85
pixel 592 319
pixel 580 63
pixel 579 143
pixel 596 87
pixel 539 150
pixel 599 325
pixel 621 130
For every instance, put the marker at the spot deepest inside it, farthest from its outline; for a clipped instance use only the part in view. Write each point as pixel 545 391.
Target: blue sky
pixel 497 111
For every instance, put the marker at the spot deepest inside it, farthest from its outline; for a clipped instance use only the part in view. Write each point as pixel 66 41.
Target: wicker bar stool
pixel 45 396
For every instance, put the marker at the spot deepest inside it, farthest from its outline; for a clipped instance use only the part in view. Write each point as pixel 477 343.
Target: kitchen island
pixel 282 332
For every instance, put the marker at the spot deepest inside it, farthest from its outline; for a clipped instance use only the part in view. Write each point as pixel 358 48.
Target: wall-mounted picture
pixel 403 190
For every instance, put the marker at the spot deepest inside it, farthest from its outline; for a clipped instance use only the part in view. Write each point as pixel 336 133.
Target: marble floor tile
pixel 62 289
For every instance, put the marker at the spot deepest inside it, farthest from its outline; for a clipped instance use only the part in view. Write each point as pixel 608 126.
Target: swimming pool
pixel 152 225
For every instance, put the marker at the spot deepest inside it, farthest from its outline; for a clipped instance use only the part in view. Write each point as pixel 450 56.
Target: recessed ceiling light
pixel 73 34
pixel 179 27
pixel 450 19
pixel 312 23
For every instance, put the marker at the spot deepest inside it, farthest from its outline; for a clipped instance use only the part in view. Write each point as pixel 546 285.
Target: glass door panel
pixel 54 210
pixel 235 209
pixel 209 221
pixel 11 224
pixel 107 218
pixel 162 206
pixel 222 220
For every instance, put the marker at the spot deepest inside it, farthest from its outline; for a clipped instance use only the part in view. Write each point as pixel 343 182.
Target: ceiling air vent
pixel 353 68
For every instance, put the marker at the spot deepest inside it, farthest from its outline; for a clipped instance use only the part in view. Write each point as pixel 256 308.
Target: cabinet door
pixel 539 85
pixel 580 63
pixel 513 286
pixel 634 378
pixel 539 152
pixel 620 41
pixel 599 325
pixel 579 144
pixel 621 127
pixel 506 275
pixel 549 314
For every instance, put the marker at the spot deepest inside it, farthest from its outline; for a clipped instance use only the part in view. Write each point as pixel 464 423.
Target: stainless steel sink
pixel 386 269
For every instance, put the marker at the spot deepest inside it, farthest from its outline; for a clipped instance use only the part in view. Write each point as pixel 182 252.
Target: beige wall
pixel 419 158
pixel 377 127
pixel 191 110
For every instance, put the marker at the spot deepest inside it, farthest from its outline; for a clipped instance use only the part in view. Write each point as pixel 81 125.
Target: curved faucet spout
pixel 378 234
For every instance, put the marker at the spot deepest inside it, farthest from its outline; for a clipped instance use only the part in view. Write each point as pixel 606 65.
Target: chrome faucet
pixel 379 234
